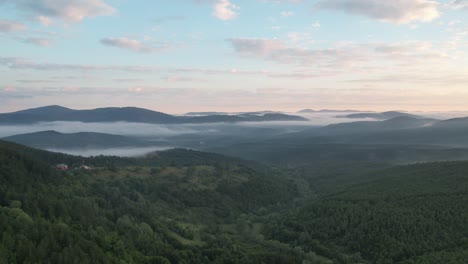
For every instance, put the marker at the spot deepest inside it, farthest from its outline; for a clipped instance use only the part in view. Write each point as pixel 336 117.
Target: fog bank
pixel 121 152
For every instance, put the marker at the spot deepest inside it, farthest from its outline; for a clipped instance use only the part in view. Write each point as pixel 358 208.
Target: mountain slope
pixel 53 139
pixel 399 140
pixel 165 212
pixel 410 214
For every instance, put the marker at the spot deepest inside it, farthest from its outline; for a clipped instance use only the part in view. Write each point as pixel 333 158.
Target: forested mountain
pixel 182 206
pixel 130 114
pixel 400 140
pixel 409 214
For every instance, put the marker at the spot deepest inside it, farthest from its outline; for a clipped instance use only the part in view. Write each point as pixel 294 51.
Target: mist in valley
pixel 210 136
pixel 119 152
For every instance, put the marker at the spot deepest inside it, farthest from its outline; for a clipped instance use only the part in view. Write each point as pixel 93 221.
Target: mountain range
pixel 379 116
pixel 131 114
pixel 309 111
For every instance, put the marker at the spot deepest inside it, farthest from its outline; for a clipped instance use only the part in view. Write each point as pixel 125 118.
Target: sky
pixel 235 55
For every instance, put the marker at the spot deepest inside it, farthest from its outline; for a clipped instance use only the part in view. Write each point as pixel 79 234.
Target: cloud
pixel 287 13
pixel 10 26
pixel 129 44
pixel 67 10
pixel 45 21
pixel 338 57
pixel 175 79
pixel 224 10
pixel 459 4
pixel 256 46
pixel 15 63
pixel 43 42
pixel 395 11
pixel 282 1
pixel 25 64
pixel 168 18
pixel 316 24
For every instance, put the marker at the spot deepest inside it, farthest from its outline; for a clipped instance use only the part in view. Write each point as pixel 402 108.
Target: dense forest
pixel 182 206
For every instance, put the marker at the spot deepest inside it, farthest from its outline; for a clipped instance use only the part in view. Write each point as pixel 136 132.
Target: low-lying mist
pixel 120 152
pixel 197 136
pixel 161 130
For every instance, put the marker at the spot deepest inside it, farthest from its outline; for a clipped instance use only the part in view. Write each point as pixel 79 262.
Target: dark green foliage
pixel 410 214
pixel 184 206
pixel 175 212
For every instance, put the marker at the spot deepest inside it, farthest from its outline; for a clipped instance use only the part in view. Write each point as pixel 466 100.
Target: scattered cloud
pixel 287 13
pixel 459 4
pixel 225 10
pixel 395 11
pixel 176 79
pixel 163 19
pixel 282 1
pixel 43 42
pixel 10 26
pixel 131 44
pixel 45 21
pixel 256 46
pixel 25 64
pixel 67 10
pixel 338 57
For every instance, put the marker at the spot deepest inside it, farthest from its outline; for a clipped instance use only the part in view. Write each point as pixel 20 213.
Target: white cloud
pixel 225 10
pixel 394 11
pixel 10 26
pixel 133 45
pixel 67 10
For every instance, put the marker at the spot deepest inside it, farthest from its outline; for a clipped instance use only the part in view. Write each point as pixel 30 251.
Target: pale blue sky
pixel 234 55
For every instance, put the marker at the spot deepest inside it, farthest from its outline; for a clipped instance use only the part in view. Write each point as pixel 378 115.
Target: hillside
pixel 183 206
pixel 396 123
pixel 129 114
pixel 410 214
pixel 195 207
pixel 400 140
pixel 54 139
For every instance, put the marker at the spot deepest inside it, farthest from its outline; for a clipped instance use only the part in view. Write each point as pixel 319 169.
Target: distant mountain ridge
pixel 380 116
pixel 306 111
pixel 130 114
